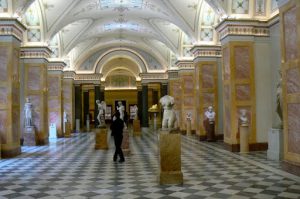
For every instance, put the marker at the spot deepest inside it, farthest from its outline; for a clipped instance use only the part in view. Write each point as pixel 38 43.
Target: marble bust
pixel 101 113
pixel 189 116
pixel 210 114
pixel 243 117
pixel 169 116
pixel 28 113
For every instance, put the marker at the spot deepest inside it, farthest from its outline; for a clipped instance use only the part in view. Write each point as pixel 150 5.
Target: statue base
pixel 125 142
pixel 170 157
pixel 136 128
pixel 188 127
pixel 275 144
pixel 29 136
pixel 67 130
pixel 101 139
pixel 211 132
pixel 244 139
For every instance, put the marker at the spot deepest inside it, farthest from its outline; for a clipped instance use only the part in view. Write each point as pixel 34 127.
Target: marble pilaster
pixel 10 41
pixel 78 104
pixel 97 97
pixel 145 121
pixel 55 96
pixel 175 91
pixel 68 98
pixel 34 61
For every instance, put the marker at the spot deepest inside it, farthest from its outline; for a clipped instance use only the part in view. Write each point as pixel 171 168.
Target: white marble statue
pixel 135 112
pixel 189 116
pixel 121 109
pixel 101 113
pixel 65 117
pixel 243 117
pixel 169 116
pixel 210 114
pixel 28 113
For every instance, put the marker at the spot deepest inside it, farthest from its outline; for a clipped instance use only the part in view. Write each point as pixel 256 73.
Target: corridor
pixel 71 168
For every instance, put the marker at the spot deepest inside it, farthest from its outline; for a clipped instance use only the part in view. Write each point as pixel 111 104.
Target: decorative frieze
pixel 173 74
pixel 204 51
pixel 11 27
pixel 56 66
pixel 35 52
pixel 185 65
pixel 230 27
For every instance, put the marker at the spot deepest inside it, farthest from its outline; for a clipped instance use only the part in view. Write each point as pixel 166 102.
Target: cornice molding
pixel 35 52
pixel 56 66
pixel 206 51
pixel 242 27
pixel 185 64
pixel 12 27
pixel 153 77
pixel 173 74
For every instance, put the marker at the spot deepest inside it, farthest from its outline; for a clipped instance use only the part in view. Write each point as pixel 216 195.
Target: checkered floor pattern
pixel 71 168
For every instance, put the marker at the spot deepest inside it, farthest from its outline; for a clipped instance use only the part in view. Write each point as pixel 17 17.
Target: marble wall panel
pixel 36 101
pixel 226 63
pixel 53 104
pixel 208 98
pixel 34 78
pixel 208 76
pixel 37 120
pixel 294 128
pixel 188 84
pixel 67 107
pixel 15 127
pixel 4 52
pixel 16 96
pixel 54 117
pixel 15 65
pixel 188 101
pixel 3 95
pixel 293 80
pixel 53 85
pixel 67 91
pixel 243 92
pixel 227 122
pixel 242 62
pixel 227 93
pixel 290 32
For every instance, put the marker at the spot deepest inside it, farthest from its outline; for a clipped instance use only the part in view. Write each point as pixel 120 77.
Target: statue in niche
pixel 169 116
pixel 121 109
pixel 28 113
pixel 279 99
pixel 65 117
pixel 101 113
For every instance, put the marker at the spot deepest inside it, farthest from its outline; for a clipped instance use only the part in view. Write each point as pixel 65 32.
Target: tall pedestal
pixel 211 131
pixel 188 127
pixel 275 144
pixel 67 129
pixel 170 158
pixel 29 137
pixel 244 139
pixel 125 142
pixel 101 139
pixel 136 128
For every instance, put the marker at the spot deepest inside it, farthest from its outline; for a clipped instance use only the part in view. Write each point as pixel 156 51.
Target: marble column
pixel 78 104
pixel 187 84
pixel 86 107
pixel 207 59
pixel 97 97
pixel 34 63
pixel 10 41
pixel 145 122
pixel 55 96
pixel 290 45
pixel 68 97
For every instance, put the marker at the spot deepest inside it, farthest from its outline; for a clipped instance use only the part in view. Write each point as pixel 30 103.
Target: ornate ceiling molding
pixel 35 52
pixel 12 27
pixel 240 27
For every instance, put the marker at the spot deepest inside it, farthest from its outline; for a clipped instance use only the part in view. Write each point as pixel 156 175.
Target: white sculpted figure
pixel 101 113
pixel 169 116
pixel 135 112
pixel 243 117
pixel 121 109
pixel 28 113
pixel 189 116
pixel 65 116
pixel 210 114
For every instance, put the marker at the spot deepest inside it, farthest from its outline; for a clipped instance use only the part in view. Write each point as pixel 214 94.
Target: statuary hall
pixel 150 99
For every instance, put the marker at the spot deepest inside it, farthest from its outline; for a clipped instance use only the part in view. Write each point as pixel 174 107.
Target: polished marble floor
pixel 71 168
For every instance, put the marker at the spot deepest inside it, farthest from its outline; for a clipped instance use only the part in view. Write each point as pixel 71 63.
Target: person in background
pixel 117 131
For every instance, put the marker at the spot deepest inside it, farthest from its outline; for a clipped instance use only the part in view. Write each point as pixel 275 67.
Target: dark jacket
pixel 117 127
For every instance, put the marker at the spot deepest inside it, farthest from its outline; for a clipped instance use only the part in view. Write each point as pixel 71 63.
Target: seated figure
pixel 169 116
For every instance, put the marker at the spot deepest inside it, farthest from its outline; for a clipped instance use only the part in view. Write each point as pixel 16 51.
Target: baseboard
pixel 291 167
pixel 252 147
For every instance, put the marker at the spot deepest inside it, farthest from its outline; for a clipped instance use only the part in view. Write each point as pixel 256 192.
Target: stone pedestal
pixel 244 139
pixel 188 127
pixel 211 132
pixel 67 129
pixel 87 125
pixel 170 157
pixel 101 139
pixel 125 142
pixel 136 128
pixel 77 125
pixel 29 137
pixel 275 144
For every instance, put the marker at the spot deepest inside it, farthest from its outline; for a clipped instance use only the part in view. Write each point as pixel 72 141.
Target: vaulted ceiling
pixel 89 33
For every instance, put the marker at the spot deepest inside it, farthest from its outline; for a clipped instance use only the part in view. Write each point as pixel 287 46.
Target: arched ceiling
pixel 161 29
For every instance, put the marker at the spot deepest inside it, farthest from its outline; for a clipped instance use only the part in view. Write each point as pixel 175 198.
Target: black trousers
pixel 118 151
